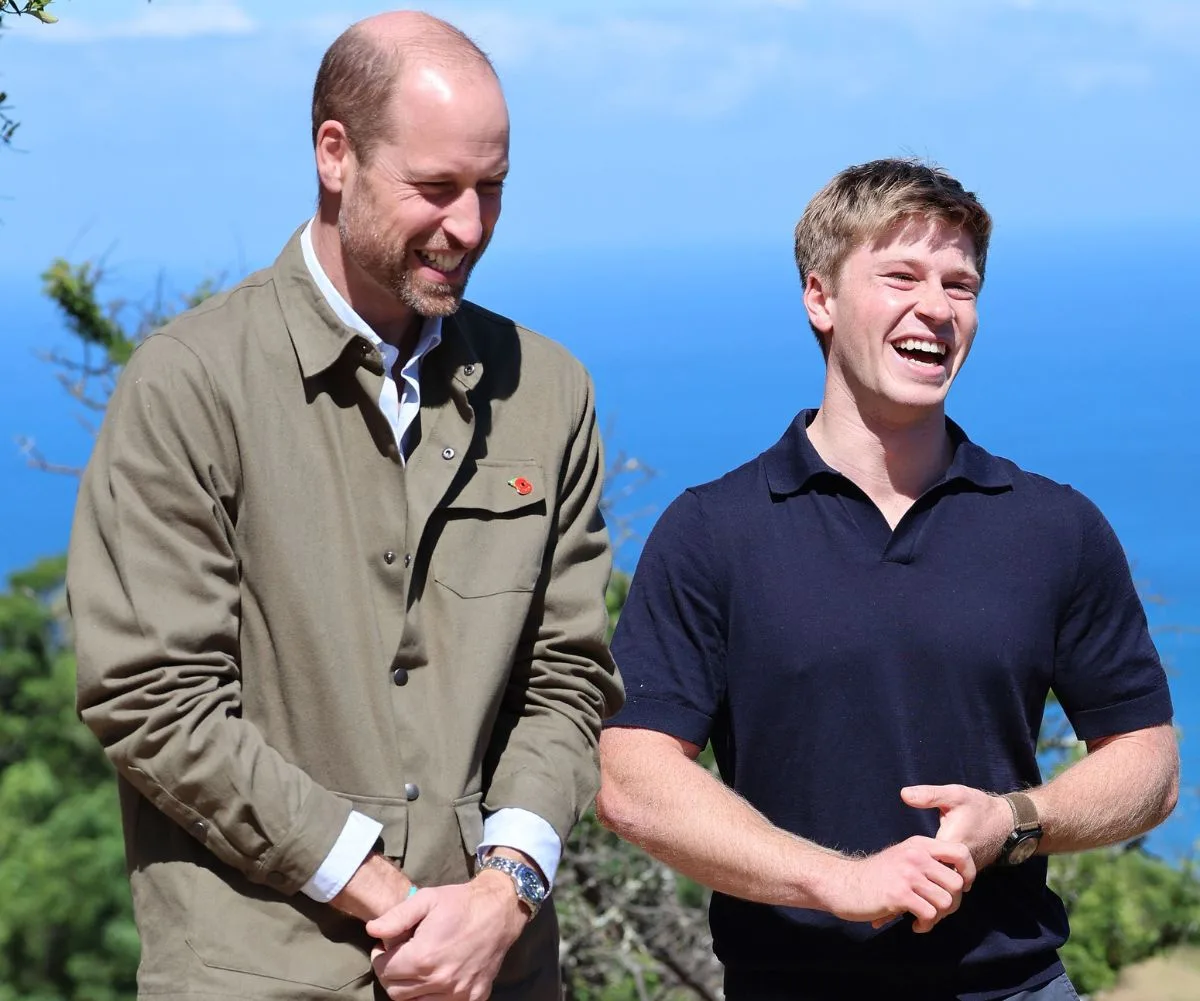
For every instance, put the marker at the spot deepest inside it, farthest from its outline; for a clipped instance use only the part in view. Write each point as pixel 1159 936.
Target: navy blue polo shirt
pixel 832 661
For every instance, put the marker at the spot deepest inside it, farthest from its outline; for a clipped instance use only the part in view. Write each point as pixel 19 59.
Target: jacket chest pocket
pixel 493 533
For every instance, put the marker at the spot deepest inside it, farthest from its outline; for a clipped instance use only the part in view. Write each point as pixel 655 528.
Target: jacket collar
pixel 320 338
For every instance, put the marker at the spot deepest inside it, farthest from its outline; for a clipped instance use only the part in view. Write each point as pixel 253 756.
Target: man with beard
pixel 337 576
pixel 866 621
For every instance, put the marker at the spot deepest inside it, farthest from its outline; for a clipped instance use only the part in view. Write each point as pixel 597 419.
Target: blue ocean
pixel 1085 370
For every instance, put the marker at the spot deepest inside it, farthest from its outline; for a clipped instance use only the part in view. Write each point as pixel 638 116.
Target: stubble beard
pixel 387 265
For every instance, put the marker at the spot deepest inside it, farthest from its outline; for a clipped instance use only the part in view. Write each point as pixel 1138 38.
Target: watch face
pixel 1023 850
pixel 531 884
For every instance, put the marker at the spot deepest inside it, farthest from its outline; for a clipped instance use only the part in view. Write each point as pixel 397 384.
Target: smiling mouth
pixel 921 352
pixel 445 261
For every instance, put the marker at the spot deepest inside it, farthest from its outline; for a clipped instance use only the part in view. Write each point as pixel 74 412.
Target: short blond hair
pixel 863 202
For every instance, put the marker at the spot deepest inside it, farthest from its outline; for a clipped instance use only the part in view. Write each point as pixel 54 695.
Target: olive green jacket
pixel 278 622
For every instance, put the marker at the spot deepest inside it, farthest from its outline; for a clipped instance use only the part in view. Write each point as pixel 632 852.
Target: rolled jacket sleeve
pixel 153 585
pixel 542 755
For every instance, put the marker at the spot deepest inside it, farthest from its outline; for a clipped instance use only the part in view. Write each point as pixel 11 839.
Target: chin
pixel 915 401
pixel 428 299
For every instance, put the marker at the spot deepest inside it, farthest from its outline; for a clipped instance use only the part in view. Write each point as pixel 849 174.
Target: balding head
pixel 363 70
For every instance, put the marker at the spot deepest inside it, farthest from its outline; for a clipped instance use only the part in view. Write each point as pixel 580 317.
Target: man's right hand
pixel 921 876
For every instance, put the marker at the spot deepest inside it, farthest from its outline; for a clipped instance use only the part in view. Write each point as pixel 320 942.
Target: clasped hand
pixel 447 942
pixel 922 876
pixel 926 877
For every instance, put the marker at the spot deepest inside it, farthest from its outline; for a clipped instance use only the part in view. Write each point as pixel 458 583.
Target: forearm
pixel 1125 786
pixel 683 815
pixel 374 889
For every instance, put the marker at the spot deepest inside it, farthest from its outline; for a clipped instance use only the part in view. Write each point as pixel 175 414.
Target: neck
pixel 391 319
pixel 893 461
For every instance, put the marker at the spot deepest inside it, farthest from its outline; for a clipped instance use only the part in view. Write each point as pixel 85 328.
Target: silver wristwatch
pixel 531 891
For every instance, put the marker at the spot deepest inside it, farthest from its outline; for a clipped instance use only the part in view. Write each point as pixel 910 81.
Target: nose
pixel 464 221
pixel 934 305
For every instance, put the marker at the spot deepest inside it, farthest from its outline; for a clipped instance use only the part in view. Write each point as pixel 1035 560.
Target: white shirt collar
pixel 431 329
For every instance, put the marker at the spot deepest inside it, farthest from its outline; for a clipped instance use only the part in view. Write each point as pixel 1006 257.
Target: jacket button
pixel 400 677
pixel 447 453
pixel 408 559
pixel 199 830
pixel 468 370
pixel 276 878
pixel 389 557
pixel 411 790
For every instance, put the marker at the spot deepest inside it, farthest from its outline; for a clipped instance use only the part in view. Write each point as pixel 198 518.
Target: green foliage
pixel 35 9
pixel 66 926
pixel 73 288
pixel 615 596
pixel 1125 906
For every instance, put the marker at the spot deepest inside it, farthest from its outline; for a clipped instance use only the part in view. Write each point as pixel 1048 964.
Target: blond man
pixel 866 621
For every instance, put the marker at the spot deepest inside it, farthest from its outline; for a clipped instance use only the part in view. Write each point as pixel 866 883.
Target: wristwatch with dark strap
pixel 1022 843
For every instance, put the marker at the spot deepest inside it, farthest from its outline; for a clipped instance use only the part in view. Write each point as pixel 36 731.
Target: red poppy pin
pixel 521 486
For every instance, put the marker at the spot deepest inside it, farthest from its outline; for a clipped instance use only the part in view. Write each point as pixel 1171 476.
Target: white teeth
pixel 443 261
pixel 931 347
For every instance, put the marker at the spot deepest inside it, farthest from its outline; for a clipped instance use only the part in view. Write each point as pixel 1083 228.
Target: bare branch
pixel 38 461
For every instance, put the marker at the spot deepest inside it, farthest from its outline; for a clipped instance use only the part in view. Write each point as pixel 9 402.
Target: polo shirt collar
pixel 792 463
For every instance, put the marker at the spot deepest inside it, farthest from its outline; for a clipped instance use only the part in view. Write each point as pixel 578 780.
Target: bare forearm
pixel 1124 786
pixel 684 816
pixel 374 889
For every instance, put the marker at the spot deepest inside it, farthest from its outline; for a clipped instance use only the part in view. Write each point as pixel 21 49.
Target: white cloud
pixel 723 55
pixel 719 56
pixel 157 20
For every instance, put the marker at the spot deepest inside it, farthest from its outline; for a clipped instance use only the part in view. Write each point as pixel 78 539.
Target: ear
pixel 335 158
pixel 819 304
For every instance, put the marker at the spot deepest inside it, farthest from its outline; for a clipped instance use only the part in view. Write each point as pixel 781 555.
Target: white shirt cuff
pixel 353 845
pixel 525 832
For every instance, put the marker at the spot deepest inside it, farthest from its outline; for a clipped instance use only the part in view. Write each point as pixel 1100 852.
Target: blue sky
pixel 174 134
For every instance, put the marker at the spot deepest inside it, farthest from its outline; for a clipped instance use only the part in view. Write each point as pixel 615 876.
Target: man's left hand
pixel 448 941
pixel 970 816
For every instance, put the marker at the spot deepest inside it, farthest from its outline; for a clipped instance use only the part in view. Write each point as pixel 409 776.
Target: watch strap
pixel 1024 811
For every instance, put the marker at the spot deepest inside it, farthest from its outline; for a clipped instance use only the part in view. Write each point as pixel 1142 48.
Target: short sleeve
pixel 1107 673
pixel 669 643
